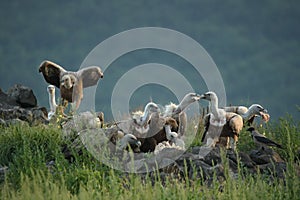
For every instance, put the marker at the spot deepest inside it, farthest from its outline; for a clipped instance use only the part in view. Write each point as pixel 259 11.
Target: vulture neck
pixel 249 114
pixel 146 116
pixel 52 102
pixel 214 106
pixel 123 143
pixel 168 131
pixel 183 104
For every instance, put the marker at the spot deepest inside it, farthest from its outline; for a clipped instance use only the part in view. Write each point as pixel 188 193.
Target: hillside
pixel 33 166
pixel 255 45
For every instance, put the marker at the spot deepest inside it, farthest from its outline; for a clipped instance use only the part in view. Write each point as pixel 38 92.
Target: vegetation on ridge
pixel 26 150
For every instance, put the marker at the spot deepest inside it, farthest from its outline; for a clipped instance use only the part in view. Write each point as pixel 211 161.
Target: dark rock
pixel 195 150
pixel 264 156
pixel 205 163
pixel 196 168
pixel 297 155
pixel 2 122
pixel 273 170
pixel 13 122
pixel 165 158
pixel 22 95
pixel 240 158
pixel 246 160
pixel 213 157
pixel 20 104
pixel 5 101
pixel 3 171
pixel 39 115
pixel 233 166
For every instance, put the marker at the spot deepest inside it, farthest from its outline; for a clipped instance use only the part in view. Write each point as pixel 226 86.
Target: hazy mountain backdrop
pixel 255 44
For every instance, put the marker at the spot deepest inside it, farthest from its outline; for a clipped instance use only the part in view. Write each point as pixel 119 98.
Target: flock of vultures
pixel 153 128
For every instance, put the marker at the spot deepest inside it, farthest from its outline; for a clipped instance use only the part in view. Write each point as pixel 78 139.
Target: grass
pixel 25 150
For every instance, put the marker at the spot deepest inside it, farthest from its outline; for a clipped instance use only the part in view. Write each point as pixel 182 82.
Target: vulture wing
pixel 235 122
pixel 182 119
pixel 90 75
pixel 51 72
pixel 157 123
pixel 206 126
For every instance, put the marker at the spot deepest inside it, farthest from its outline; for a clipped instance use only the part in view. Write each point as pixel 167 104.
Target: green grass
pixel 25 150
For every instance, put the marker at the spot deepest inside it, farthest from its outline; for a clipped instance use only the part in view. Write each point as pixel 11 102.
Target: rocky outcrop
pixel 196 166
pixel 22 95
pixel 19 105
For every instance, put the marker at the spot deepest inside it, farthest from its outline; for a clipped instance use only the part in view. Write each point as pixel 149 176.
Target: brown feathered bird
pixel 70 83
pixel 220 123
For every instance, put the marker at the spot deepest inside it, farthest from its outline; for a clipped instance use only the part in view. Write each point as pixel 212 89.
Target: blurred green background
pixel 255 45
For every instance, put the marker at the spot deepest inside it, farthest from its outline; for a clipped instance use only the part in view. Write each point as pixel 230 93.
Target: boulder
pixel 205 163
pixel 2 122
pixel 273 170
pixel 3 172
pixel 20 104
pixel 22 95
pixel 264 156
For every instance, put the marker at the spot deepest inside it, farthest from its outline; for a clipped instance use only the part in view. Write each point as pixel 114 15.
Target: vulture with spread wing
pixel 70 83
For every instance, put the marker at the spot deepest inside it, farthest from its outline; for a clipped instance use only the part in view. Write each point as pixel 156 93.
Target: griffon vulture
pixel 52 102
pixel 164 133
pixel 138 124
pixel 250 113
pixel 70 83
pixel 177 111
pixel 219 123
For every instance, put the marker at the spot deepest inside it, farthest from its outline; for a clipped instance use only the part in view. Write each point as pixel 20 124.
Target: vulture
pixel 171 140
pixel 55 110
pixel 129 140
pixel 177 111
pixel 70 83
pixel 52 102
pixel 220 123
pixel 138 124
pixel 164 133
pixel 250 113
pixel 171 136
pixel 261 139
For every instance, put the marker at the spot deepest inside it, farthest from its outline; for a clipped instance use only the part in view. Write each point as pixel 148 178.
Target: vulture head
pixel 130 140
pixel 259 110
pixel 170 122
pixel 209 96
pixel 51 89
pixel 186 101
pixel 67 81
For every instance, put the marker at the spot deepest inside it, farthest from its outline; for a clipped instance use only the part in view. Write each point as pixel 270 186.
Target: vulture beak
pixel 265 111
pixel 101 75
pixel 205 96
pixel 138 143
pixel 196 97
